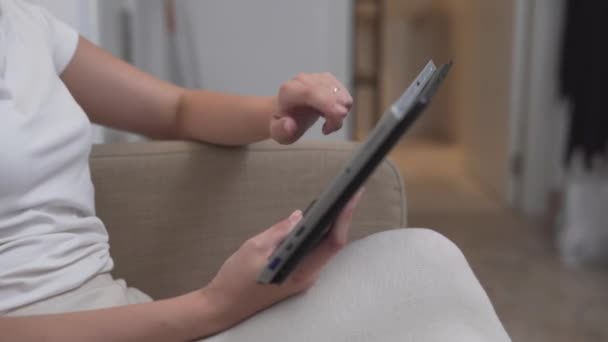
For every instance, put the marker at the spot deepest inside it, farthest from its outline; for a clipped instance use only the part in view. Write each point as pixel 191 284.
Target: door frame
pixel 538 113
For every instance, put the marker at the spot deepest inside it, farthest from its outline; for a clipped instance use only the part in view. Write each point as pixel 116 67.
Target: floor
pixel 537 298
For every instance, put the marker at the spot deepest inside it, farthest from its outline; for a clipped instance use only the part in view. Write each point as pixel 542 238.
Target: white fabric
pixel 98 293
pixel 401 285
pixel 50 239
pixel 583 235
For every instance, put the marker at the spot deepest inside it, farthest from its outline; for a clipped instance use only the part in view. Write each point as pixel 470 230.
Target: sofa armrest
pixel 175 211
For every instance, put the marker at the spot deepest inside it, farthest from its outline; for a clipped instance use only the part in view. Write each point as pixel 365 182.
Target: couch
pixel 176 210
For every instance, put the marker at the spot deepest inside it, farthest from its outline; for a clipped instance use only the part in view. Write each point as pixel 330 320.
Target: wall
pixel 413 33
pixel 111 30
pixel 473 107
pixel 251 47
pixel 483 42
pixel 512 120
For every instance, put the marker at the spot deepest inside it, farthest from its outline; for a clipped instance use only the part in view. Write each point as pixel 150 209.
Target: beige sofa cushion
pixel 176 210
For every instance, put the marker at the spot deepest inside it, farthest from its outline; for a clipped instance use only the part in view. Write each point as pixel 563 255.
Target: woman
pixel 55 282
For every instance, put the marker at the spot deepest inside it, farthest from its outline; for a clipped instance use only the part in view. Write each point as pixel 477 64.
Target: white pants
pixel 401 285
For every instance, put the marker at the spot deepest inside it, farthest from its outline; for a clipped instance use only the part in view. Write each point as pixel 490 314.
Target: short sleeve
pixel 62 38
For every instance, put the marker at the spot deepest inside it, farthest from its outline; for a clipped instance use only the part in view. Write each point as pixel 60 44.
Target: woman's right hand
pixel 234 293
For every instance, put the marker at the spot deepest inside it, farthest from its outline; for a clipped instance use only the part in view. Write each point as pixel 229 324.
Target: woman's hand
pixel 234 292
pixel 305 98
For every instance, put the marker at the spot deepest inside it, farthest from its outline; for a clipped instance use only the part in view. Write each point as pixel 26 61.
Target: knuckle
pixel 307 91
pixel 301 77
pixel 285 87
pixel 254 245
pixel 284 227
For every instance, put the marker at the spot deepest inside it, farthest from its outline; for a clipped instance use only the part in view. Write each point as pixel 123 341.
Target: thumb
pixel 274 235
pixel 284 130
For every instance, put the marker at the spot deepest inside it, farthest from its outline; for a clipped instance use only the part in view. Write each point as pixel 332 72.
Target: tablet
pixel 321 213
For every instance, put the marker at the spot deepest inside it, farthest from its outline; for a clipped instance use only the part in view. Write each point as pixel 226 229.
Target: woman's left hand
pixel 305 98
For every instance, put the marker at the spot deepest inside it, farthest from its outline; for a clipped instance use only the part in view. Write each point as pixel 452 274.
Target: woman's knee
pixel 402 256
pixel 423 243
pixel 406 253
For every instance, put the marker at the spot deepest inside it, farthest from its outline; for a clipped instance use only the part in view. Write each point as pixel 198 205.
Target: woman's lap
pixel 400 285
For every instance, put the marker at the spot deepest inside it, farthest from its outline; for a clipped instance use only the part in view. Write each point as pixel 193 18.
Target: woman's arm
pixel 116 94
pixel 179 319
pixel 113 93
pixel 224 119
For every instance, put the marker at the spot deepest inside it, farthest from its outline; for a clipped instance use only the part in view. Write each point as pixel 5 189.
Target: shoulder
pixel 22 12
pixel 37 25
pixel 26 21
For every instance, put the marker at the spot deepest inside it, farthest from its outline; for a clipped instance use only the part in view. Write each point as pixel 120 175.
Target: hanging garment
pixel 583 237
pixel 584 72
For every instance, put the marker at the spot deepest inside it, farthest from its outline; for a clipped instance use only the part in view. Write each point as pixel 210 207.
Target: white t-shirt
pixel 50 239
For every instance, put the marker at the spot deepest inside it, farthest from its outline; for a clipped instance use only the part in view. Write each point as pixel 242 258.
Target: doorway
pixel 470 117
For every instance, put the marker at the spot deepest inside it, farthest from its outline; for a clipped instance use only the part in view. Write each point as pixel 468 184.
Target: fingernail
pixel 355 200
pixel 360 193
pixel 295 217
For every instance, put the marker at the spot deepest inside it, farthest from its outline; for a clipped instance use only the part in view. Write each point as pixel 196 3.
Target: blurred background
pixel 485 165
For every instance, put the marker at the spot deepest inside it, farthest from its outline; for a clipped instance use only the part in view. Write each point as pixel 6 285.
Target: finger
pixel 338 237
pixel 346 100
pixel 273 236
pixel 333 120
pixel 339 103
pixel 343 97
pixel 317 92
pixel 331 126
pixel 303 118
pixel 284 130
pixel 322 94
pixel 342 225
